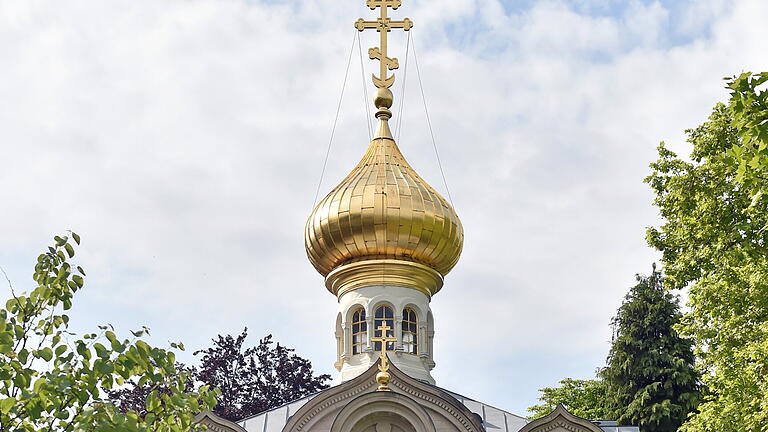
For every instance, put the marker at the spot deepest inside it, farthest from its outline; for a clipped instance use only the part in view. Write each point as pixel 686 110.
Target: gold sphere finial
pixel 383 98
pixel 382 378
pixel 383 101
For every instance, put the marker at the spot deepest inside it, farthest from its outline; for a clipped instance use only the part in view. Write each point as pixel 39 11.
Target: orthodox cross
pixel 383 376
pixel 383 25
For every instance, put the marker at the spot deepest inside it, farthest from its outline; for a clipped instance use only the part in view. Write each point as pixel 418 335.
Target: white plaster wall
pixel 371 297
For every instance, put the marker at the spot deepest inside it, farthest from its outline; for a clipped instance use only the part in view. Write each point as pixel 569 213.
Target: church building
pixel 384 240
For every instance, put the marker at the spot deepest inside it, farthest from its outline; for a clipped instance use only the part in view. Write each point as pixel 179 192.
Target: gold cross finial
pixel 383 376
pixel 383 25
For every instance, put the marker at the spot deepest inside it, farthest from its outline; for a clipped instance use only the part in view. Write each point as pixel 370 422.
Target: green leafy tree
pixel 650 376
pixel 714 240
pixel 749 108
pixel 133 397
pixel 51 379
pixel 584 398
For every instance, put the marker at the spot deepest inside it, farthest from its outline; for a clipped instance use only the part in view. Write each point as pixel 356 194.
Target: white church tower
pixel 384 239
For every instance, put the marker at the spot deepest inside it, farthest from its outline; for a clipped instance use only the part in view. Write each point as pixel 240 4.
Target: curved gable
pixel 560 420
pixel 438 400
pixel 426 408
pixel 216 423
pixel 330 401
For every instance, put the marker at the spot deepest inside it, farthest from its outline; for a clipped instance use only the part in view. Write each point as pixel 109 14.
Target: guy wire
pixel 402 93
pixel 365 91
pixel 429 123
pixel 335 121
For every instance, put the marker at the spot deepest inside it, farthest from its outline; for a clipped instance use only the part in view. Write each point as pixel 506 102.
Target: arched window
pixel 410 331
pixel 359 331
pixel 384 314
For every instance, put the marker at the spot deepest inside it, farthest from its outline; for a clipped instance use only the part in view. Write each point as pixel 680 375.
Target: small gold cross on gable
pixel 383 376
pixel 383 25
pixel 383 329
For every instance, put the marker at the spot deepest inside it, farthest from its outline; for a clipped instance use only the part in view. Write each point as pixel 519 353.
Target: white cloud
pixel 646 22
pixel 184 140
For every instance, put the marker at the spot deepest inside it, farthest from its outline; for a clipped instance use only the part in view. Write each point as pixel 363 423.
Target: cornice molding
pixel 387 272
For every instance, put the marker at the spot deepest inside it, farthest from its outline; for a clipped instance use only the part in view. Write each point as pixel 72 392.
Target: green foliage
pixel 650 377
pixel 51 379
pixel 749 108
pixel 584 398
pixel 713 240
pixel 249 380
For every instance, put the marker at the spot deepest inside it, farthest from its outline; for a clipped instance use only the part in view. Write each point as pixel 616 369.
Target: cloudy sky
pixel 183 139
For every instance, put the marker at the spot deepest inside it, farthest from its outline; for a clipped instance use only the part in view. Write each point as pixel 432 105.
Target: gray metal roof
pixel 273 420
pixel 613 426
pixel 494 419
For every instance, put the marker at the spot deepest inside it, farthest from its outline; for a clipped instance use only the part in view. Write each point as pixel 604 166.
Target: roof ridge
pixel 483 403
pixel 267 411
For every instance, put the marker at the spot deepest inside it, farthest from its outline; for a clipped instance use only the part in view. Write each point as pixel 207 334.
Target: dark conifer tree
pixel 650 376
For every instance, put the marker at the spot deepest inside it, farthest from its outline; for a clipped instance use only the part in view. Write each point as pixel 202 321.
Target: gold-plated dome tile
pixel 383 210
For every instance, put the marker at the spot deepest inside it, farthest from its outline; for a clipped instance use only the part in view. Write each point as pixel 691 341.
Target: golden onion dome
pixel 383 224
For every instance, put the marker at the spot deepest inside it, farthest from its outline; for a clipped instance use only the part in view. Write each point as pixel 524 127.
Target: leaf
pixel 76 238
pixel 45 353
pixel 83 350
pixel 21 380
pixel 70 250
pixel 23 356
pixel 153 402
pixel 101 351
pixel 116 345
pixel 61 349
pixel 104 367
pixel 7 404
pixel 110 335
pixel 39 383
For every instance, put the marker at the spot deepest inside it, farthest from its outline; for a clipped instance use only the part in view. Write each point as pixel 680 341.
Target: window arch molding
pixel 377 303
pixel 416 308
pixel 354 307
